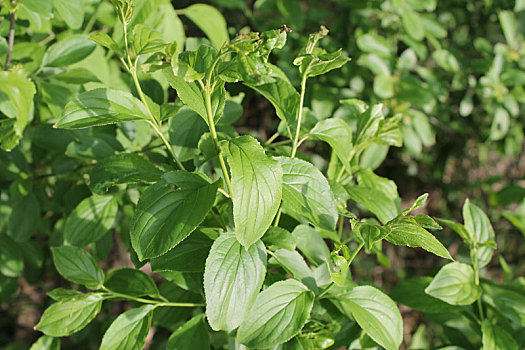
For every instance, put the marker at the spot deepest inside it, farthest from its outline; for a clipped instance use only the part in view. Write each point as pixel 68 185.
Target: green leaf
pixel 210 21
pixel 90 220
pixel 375 313
pixel 129 330
pixel 374 200
pixel 338 135
pixel 105 40
pixel 185 131
pixel 384 86
pixel 169 211
pixel 77 76
pixel 310 243
pixel 68 51
pixel 459 229
pixel 366 177
pixel 120 169
pixel 59 294
pixel 411 292
pixel 146 40
pixel 412 235
pixel 278 314
pixel 191 335
pixel 369 233
pixel 374 43
pixel 11 264
pixel 307 192
pixel 500 124
pixel 446 60
pixel 412 23
pixel 454 284
pixel 510 27
pixel 496 338
pixel 511 304
pixel 101 107
pixel 293 263
pixel 46 343
pixel 478 226
pixel 71 11
pixel 131 282
pixel 76 265
pixel 256 185
pixel 277 237
pixel 66 317
pixel 24 218
pixel 232 278
pixel 188 256
pixel 19 91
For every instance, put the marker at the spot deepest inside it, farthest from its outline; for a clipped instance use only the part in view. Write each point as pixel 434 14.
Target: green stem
pixel 163 302
pixel 474 257
pixel 354 254
pixel 299 117
pixel 326 290
pixel 93 19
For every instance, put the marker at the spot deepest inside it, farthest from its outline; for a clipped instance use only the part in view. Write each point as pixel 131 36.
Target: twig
pixel 11 37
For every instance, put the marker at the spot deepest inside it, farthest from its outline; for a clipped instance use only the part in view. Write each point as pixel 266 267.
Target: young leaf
pixel 307 192
pixel 129 330
pixel 210 21
pixel 76 265
pixel 68 51
pixel 122 168
pixel 101 107
pixel 131 282
pixel 68 316
pixel 338 135
pixel 377 202
pixel 191 335
pixel 169 211
pixel 105 40
pixel 496 338
pixel 478 226
pixel 454 284
pixel 232 278
pixel 146 40
pixel 277 315
pixel 370 233
pixel 412 235
pixel 256 185
pixel 90 220
pixel 375 313
pixel 419 202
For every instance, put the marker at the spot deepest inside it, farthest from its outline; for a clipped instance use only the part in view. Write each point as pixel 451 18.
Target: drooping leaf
pixel 68 51
pixel 191 335
pixel 76 265
pixel 256 185
pixel 210 21
pixel 129 330
pixel 454 284
pixel 278 237
pixel 338 135
pixel 101 107
pixel 169 211
pixel 278 314
pixel 68 316
pixel 375 313
pixel 90 220
pixel 232 278
pixel 131 282
pixel 307 192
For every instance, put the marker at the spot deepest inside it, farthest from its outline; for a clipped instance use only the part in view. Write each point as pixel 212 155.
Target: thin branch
pixel 11 38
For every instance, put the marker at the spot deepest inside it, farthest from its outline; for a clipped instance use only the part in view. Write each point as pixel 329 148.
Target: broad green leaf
pixel 446 60
pixel 68 51
pixel 68 316
pixel 412 23
pixel 232 278
pixel 307 192
pixel 76 265
pixel 146 40
pixel 310 242
pixel 374 200
pixel 369 233
pixel 374 43
pixel 19 91
pixel 105 40
pixel 293 263
pixel 122 168
pixel 131 282
pixel 101 107
pixel 24 218
pixel 129 330
pixel 511 304
pixel 59 294
pixel 77 76
pixel 46 343
pixel 411 292
pixel 384 86
pixel 366 177
pixel 11 264
pixel 185 131
pixel 210 21
pixel 256 185
pixel 278 237
pixel 188 256
pixel 375 313
pixel 517 219
pixel 500 124
pixel 454 284
pixel 412 235
pixel 510 27
pixel 71 11
pixel 479 227
pixel 169 211
pixel 90 220
pixel 459 229
pixel 338 135
pixel 191 335
pixel 8 288
pixel 496 338
pixel 278 314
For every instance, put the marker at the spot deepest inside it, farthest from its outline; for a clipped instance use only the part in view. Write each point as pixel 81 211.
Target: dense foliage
pixel 201 178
